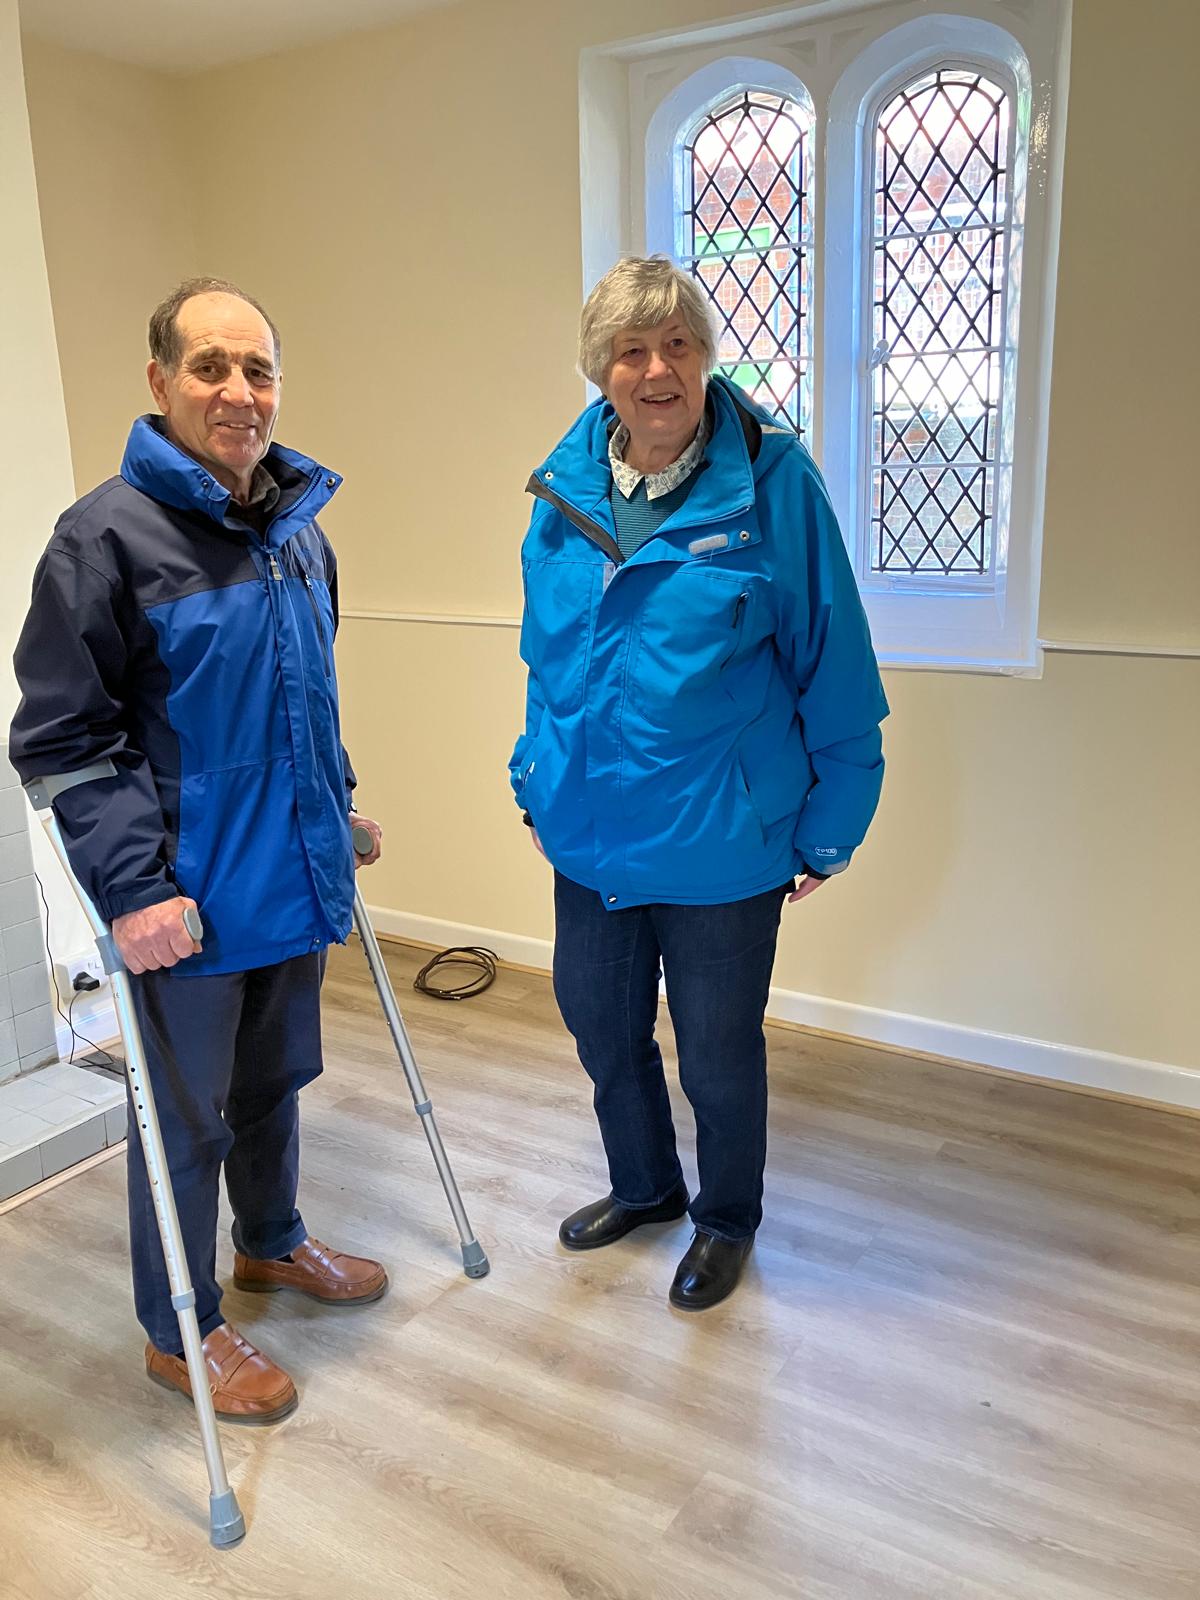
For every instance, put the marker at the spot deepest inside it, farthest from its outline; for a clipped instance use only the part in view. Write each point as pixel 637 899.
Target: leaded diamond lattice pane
pixel 940 255
pixel 747 235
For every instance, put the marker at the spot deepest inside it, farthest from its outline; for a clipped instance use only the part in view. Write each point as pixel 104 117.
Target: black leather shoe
pixel 605 1221
pixel 708 1272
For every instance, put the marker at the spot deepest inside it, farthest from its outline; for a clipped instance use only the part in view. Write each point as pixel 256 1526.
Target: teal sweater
pixel 640 518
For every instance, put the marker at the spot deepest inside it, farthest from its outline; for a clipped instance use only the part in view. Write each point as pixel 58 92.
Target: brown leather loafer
pixel 316 1270
pixel 246 1385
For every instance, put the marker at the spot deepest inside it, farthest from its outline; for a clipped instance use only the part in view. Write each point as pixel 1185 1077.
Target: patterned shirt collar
pixel 627 478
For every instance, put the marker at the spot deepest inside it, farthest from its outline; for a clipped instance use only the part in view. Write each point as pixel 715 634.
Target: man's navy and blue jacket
pixel 169 635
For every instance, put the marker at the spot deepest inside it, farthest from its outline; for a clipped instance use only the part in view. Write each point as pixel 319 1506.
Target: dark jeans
pixel 226 1055
pixel 717 961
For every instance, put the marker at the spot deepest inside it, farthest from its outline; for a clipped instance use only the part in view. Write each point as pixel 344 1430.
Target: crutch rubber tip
pixel 226 1524
pixel 475 1263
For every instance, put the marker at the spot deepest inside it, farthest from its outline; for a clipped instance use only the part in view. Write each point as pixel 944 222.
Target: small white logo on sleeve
pixel 824 850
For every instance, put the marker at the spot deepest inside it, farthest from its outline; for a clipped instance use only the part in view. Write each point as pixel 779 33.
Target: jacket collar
pixel 160 469
pixel 577 469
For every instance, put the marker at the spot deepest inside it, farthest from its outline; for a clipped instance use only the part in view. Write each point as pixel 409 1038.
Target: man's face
pixel 221 400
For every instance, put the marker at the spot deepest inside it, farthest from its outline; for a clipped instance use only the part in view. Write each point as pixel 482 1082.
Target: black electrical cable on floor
pixel 460 955
pixel 77 1038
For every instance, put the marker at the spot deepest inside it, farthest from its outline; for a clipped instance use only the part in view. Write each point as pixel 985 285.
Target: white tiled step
pixel 53 1118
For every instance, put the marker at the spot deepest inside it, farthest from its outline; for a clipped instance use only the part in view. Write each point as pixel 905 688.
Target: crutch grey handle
pixel 362 839
pixel 194 923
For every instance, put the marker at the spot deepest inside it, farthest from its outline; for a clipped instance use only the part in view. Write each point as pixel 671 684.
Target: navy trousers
pixel 717 962
pixel 227 1056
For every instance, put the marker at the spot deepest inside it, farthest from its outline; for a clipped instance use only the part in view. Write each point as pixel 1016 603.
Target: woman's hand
pixel 808 885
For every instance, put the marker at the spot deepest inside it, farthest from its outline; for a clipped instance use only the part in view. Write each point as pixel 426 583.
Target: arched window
pixel 744 228
pixel 898 311
pixel 941 221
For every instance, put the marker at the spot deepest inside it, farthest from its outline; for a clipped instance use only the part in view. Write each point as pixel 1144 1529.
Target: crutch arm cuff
pixel 42 792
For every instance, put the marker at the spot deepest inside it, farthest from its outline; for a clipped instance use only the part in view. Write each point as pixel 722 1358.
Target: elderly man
pixel 182 628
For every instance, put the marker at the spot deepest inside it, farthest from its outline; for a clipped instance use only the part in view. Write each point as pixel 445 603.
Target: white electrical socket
pixel 65 972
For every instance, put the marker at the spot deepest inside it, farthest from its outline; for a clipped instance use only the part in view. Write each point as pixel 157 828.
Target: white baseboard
pixel 515 947
pixel 1157 1081
pixel 1003 1052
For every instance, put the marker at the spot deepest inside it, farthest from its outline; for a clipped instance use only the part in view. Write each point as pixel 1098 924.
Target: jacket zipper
pixel 314 484
pixel 592 530
pixel 739 611
pixel 586 526
pixel 312 600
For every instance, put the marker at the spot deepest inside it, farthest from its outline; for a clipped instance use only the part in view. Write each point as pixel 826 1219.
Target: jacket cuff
pixel 120 905
pixel 827 863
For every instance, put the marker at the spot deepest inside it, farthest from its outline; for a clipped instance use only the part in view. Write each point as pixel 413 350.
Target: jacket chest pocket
pixel 692 625
pixel 318 609
pixel 557 628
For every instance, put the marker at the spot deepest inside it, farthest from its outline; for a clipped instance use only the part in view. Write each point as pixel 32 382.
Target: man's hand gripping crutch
pixel 158 936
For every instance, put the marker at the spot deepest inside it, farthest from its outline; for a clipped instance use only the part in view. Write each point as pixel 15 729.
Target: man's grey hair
pixel 166 346
pixel 641 292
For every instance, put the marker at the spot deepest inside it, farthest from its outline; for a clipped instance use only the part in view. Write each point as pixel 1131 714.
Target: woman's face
pixel 656 384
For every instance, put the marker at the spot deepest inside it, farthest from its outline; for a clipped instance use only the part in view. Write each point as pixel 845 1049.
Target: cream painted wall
pixel 1029 869
pixel 1122 549
pixel 990 893
pixel 122 226
pixel 36 481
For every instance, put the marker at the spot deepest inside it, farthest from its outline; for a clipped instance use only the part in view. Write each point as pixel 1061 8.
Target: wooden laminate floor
pixel 966 1362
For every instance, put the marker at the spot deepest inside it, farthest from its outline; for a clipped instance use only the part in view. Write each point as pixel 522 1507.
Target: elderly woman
pixel 702 729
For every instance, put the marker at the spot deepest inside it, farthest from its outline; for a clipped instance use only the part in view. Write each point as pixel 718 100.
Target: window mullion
pixel 937 297
pixel 745 238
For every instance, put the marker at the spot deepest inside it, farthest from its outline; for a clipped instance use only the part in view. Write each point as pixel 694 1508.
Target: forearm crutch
pixel 225 1520
pixel 475 1262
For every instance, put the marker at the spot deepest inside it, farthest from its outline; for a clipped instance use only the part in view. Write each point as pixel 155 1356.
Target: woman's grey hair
pixel 165 344
pixel 641 292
